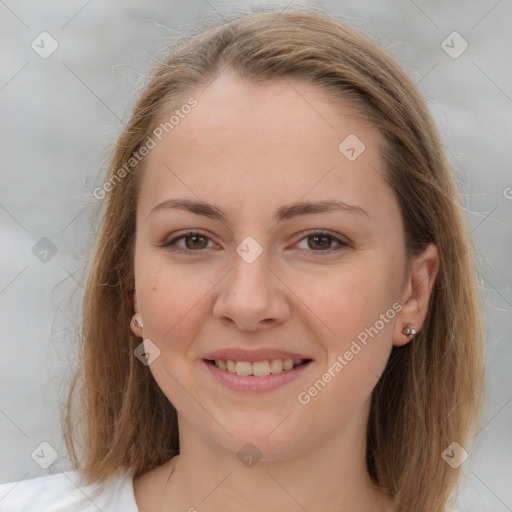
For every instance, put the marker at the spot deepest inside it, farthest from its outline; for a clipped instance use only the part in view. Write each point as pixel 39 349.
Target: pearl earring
pixel 137 321
pixel 408 330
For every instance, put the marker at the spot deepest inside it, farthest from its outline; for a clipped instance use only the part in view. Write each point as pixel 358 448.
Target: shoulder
pixel 65 492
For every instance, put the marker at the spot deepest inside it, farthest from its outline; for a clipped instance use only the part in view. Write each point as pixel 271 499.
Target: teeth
pixel 287 364
pixel 276 366
pixel 258 368
pixel 261 368
pixel 243 368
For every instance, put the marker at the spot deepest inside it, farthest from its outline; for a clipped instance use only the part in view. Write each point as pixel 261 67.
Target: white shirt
pixel 63 492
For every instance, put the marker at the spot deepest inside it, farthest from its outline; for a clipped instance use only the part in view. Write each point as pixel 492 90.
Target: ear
pixel 136 327
pixel 416 293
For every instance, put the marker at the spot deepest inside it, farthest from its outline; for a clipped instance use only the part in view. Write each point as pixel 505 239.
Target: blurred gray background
pixel 61 113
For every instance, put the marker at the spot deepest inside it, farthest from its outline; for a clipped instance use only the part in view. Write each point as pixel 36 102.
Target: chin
pixel 267 441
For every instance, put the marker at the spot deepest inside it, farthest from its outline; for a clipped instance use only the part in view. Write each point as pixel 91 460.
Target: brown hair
pixel 430 392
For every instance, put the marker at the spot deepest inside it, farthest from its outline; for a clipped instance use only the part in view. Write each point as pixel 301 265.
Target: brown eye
pixel 321 243
pixel 193 242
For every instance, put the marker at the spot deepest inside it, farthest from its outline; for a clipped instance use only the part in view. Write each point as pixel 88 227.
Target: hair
pixel 430 393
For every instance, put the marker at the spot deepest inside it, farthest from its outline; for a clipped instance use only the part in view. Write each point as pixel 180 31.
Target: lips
pixel 248 382
pixel 255 370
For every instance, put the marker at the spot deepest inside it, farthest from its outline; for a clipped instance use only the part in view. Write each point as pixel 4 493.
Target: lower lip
pixel 254 384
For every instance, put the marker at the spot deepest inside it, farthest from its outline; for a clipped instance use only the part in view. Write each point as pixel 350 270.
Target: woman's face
pixel 261 283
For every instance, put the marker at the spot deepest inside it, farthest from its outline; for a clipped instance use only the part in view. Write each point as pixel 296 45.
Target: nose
pixel 252 296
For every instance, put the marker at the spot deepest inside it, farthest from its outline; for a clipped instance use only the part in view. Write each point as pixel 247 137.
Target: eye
pixel 321 242
pixel 194 241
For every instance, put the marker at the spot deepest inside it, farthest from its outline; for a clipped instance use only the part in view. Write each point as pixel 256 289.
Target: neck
pixel 332 477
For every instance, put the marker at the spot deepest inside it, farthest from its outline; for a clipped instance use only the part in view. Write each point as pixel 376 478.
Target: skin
pixel 250 149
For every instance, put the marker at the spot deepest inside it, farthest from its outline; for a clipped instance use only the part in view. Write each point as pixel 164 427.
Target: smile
pixel 256 376
pixel 257 368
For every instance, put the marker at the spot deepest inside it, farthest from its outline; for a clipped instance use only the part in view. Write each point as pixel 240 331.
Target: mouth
pixel 257 368
pixel 256 376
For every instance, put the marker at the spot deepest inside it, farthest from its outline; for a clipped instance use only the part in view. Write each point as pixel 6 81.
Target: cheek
pixel 173 304
pixel 359 306
pixel 171 301
pixel 356 358
pixel 350 298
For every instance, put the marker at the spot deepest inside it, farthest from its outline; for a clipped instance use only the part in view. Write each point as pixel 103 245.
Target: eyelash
pixel 172 247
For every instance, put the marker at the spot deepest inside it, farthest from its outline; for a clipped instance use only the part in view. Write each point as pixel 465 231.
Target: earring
pixel 408 330
pixel 137 321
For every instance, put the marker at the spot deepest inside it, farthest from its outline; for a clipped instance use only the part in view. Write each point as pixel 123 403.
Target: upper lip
pixel 261 354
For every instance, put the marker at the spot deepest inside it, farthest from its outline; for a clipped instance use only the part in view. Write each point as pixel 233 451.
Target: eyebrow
pixel 284 212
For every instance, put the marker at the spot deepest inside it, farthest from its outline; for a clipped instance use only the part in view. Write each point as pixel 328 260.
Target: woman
pixel 281 312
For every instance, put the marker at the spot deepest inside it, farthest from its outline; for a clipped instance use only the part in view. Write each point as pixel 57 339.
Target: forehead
pixel 250 143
